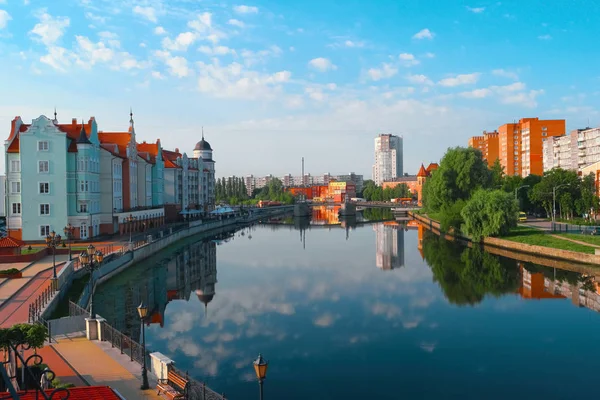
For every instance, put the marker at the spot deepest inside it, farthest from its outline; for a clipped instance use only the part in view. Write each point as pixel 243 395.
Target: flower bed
pixel 11 273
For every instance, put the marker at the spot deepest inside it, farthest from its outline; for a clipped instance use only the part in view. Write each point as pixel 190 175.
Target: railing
pixel 38 305
pixel 75 310
pixel 123 343
pixel 198 390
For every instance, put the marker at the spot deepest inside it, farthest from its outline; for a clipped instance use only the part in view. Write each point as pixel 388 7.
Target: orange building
pixel 422 176
pixel 488 144
pixel 520 144
pixel 410 181
pixel 335 191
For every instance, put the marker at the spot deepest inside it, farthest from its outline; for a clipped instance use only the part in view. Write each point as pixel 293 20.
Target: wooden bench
pixel 174 387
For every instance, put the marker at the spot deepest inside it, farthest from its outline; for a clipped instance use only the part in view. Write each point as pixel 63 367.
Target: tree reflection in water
pixel 466 275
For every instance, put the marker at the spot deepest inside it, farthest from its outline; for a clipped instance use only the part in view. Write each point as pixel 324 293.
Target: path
pixel 16 297
pixel 576 241
pixel 98 368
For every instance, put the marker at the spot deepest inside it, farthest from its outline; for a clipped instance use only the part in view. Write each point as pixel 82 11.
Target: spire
pixel 83 139
pixel 422 172
pixel 55 119
pixel 202 133
pixel 131 115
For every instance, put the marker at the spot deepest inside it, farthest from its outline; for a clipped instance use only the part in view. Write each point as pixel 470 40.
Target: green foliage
pixel 274 191
pixel 9 271
pixel 489 213
pixel 497 174
pixel 373 192
pixel 537 237
pixel 378 214
pixel 542 193
pixel 467 275
pixel 33 335
pixel 450 216
pixel 231 190
pixel 462 171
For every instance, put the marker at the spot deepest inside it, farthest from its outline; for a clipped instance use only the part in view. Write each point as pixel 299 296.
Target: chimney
pixel 74 121
pixel 176 149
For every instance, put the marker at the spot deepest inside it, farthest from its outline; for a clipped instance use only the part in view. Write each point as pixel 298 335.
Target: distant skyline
pixel 275 81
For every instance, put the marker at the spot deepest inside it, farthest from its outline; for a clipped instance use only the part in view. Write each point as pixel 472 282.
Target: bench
pixel 174 387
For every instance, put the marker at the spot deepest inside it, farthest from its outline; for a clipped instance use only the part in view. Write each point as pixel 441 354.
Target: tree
pixel 497 174
pixel 462 171
pixel 542 193
pixel 489 213
pixel 588 204
pixel 451 217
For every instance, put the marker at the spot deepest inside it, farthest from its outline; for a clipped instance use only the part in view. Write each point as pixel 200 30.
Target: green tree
pixel 497 174
pixel 451 217
pixel 489 213
pixel 565 181
pixel 588 204
pixel 462 171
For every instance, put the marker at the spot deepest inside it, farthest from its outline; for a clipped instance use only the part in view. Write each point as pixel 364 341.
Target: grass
pixel 435 216
pixel 595 240
pixel 536 237
pixel 32 251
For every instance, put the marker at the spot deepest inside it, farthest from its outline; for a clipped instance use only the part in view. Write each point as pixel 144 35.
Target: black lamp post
pixel 91 259
pixel 130 221
pixel 68 231
pixel 53 240
pixel 260 367
pixel 143 313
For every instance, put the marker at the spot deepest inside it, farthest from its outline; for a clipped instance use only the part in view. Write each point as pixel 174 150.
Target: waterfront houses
pixel 73 173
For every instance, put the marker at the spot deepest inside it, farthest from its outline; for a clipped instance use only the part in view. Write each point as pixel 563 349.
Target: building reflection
pixel 325 215
pixel 389 245
pixel 192 270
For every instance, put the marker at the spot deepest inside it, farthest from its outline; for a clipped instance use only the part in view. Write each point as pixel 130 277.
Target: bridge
pixel 372 204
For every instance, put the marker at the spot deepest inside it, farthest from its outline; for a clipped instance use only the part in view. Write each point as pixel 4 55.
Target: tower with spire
pixel 204 152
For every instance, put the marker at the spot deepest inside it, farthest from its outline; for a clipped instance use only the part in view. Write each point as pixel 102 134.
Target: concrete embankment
pixel 525 252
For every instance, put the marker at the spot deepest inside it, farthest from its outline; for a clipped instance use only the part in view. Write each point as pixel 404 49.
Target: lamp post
pixel 554 200
pixel 68 231
pixel 260 367
pixel 143 313
pixel 129 220
pixel 53 240
pixel 91 259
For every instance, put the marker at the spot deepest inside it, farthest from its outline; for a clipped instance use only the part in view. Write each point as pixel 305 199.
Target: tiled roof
pixel 114 150
pixel 10 243
pixel 432 167
pixel 422 172
pixel 77 393
pixel 170 164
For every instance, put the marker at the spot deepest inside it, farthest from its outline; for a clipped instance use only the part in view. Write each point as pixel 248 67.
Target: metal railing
pixel 125 344
pixel 38 305
pixel 75 310
pixel 198 390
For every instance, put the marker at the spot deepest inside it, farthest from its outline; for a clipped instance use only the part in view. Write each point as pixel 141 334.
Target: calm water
pixel 369 313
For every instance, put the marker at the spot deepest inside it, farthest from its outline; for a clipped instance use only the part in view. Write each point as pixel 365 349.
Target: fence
pixel 38 305
pixel 575 228
pixel 198 390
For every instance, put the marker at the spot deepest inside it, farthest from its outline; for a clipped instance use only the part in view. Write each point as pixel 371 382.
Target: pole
pixel 54 260
pixel 145 384
pixel 92 311
pixel 260 384
pixel 70 246
pixel 130 228
pixel 554 204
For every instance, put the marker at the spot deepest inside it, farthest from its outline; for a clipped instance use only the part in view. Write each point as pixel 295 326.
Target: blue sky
pixel 272 81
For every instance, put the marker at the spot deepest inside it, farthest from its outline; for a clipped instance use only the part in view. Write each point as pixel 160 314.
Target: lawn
pixel 32 251
pixel 591 239
pixel 538 238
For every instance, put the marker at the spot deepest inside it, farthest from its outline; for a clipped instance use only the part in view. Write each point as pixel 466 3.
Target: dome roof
pixel 205 298
pixel 203 145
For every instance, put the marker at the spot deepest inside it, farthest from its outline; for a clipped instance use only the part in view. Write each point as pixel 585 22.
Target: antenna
pixel 302 171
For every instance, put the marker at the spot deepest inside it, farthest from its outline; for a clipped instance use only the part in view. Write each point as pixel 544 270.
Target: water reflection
pixel 389 252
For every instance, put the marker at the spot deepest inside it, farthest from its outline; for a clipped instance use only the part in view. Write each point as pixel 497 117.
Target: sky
pixel 273 81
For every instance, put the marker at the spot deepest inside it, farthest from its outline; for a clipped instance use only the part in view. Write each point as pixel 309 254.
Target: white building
pixel 389 252
pixel 388 158
pixel 203 152
pixel 574 151
pixel 2 194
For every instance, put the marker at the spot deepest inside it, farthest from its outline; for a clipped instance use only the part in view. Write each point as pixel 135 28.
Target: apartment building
pixel 388 158
pixel 488 144
pixel 560 152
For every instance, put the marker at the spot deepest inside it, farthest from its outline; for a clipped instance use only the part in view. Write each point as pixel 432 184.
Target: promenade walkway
pixel 17 294
pixel 101 367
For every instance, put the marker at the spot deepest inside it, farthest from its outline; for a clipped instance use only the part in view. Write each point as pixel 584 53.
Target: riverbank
pixel 516 246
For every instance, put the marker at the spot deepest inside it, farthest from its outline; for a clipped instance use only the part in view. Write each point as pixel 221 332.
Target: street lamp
pixel 519 188
pixel 129 220
pixel 143 313
pixel 53 240
pixel 260 367
pixel 68 231
pixel 554 200
pixel 91 259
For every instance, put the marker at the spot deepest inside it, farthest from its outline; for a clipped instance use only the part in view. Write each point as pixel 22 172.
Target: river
pixel 380 311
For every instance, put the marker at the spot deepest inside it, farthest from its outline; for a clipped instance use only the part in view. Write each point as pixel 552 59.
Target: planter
pixel 14 275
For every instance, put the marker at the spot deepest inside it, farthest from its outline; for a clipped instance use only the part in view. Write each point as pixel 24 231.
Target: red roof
pixel 432 167
pixel 170 157
pixel 77 393
pixel 422 172
pixel 72 130
pixel 10 243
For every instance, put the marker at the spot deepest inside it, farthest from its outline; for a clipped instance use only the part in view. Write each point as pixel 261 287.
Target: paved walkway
pixel 576 241
pixel 24 291
pixel 98 368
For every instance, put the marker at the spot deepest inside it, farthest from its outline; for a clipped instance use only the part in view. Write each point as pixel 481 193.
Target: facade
pixel 477 142
pixel 488 144
pixel 94 180
pixel 560 152
pixel 2 196
pixel 388 158
pixel 389 252
pixel 422 176
pixel 521 144
pixel 410 181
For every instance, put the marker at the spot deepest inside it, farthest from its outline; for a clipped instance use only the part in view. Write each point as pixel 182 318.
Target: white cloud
pixel 408 59
pixel 315 93
pixel 324 320
pixel 4 18
pixel 234 81
pixel 147 12
pixel 419 79
pixel 50 29
pixel 429 55
pixel 322 64
pixel 159 30
pixel 385 71
pixel 58 58
pixel 178 66
pixel 350 43
pixel 515 93
pixel 254 57
pixel 505 74
pixel 216 50
pixel 157 75
pixel 96 18
pixel 245 9
pixel 143 45
pixel 544 37
pixel 180 43
pixel 462 79
pixel 424 34
pixel 236 22
pixel 477 93
pixel 525 99
pixel 476 10
pixel 87 54
pixel 205 29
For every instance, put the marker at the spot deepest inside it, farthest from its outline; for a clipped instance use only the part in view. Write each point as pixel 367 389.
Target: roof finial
pixel 130 115
pixel 203 133
pixel 55 120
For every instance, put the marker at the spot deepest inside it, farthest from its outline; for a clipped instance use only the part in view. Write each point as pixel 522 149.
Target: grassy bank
pixel 595 240
pixel 536 237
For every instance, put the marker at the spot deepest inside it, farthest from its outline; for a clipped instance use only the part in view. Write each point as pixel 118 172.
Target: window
pixel 44 209
pixel 16 208
pixel 544 133
pixel 44 188
pixel 43 146
pixel 83 207
pixel 15 187
pixel 44 230
pixel 544 128
pixel 43 167
pixel 15 166
pixel 86 186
